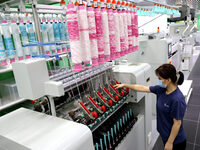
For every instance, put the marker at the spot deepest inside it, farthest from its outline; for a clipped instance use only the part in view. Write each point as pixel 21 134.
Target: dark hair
pixel 167 71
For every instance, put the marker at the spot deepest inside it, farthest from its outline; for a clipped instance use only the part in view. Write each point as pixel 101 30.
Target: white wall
pixel 152 27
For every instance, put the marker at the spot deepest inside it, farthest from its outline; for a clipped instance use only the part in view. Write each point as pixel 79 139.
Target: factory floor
pixel 191 121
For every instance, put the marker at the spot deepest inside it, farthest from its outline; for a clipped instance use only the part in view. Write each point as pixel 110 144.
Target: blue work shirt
pixel 168 107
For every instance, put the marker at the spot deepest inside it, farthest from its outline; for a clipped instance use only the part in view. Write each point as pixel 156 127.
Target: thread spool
pixel 111 34
pixel 84 36
pixel 8 41
pixel 99 30
pixel 130 41
pixel 74 38
pixel 51 37
pixel 67 35
pixel 63 33
pixel 105 28
pixel 117 33
pixel 62 30
pixel 31 35
pixel 2 52
pixel 57 35
pixel 133 30
pixel 24 37
pixel 122 33
pixel 125 14
pixel 137 32
pixel 92 35
pixel 16 38
pixel 32 38
pixel 44 29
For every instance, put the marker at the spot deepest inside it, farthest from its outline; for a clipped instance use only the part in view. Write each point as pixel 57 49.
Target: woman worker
pixel 170 105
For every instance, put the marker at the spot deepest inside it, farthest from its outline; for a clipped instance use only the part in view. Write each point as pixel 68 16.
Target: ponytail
pixel 180 78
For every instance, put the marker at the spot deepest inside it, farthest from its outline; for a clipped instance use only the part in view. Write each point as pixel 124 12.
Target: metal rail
pixel 37 27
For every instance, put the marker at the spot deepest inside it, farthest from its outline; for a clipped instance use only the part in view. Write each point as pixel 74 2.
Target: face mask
pixel 161 84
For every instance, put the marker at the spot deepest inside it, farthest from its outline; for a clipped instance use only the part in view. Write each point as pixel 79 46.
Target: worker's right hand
pixel 118 86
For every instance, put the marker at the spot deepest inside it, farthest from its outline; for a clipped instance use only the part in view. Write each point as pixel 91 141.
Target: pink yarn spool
pixel 92 36
pixel 137 32
pixel 112 34
pixel 72 22
pixel 130 41
pixel 122 33
pixel 136 18
pixel 84 36
pixel 104 16
pixel 117 33
pixel 125 15
pixel 99 30
pixel 133 30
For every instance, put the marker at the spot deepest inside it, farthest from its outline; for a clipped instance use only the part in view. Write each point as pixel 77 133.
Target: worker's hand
pixel 118 86
pixel 168 146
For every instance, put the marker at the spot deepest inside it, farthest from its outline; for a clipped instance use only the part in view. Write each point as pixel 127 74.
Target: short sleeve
pixel 178 108
pixel 155 89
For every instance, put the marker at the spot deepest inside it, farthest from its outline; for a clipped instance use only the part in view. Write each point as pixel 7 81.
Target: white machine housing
pixel 139 73
pixel 32 79
pixel 133 74
pixel 37 131
pixel 150 51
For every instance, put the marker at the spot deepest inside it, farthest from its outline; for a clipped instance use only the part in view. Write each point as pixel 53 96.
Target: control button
pixel 103 108
pixel 122 93
pixel 110 103
pixel 116 98
pixel 94 114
